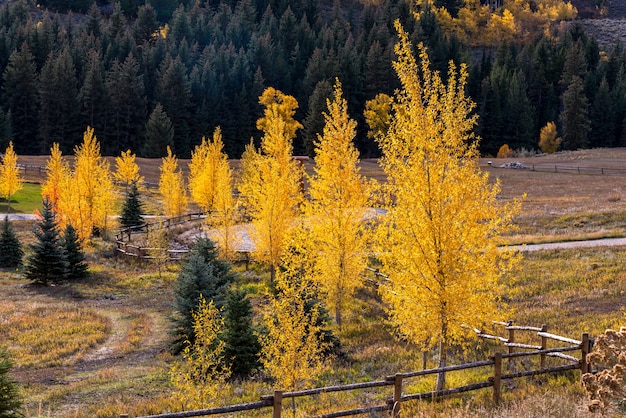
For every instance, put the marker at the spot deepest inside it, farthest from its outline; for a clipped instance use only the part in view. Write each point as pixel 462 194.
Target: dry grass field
pixel 109 355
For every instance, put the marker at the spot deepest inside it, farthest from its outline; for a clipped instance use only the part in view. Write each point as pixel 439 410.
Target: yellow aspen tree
pixel 270 182
pixel 127 170
pixel 172 186
pixel 10 180
pixel 377 113
pixel 292 350
pixel 211 187
pixel 548 138
pixel 336 210
pixel 438 242
pixel 202 374
pixel 210 175
pixel 92 198
pixel 57 173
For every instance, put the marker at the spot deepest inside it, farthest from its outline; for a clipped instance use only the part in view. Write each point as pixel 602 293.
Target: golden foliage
pixel 336 210
pixel 211 186
pixel 377 113
pixel 57 173
pixel 292 350
pixel 172 186
pixel 478 25
pixel 200 377
pixel 210 175
pixel 438 241
pixel 270 181
pixel 85 195
pixel 126 169
pixel 10 180
pixel 548 140
pixel 505 152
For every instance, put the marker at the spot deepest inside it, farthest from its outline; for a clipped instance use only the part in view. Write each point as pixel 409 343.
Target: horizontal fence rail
pixel 568 169
pixel 393 403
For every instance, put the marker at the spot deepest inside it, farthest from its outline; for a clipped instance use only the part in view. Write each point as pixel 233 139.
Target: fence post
pixel 278 403
pixel 585 348
pixel 544 345
pixel 424 358
pixel 397 395
pixel 497 374
pixel 511 337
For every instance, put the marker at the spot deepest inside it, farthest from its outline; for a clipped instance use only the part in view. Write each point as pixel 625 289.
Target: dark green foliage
pixel 159 134
pixel 20 89
pixel 574 118
pixel 47 263
pixel 242 347
pixel 74 255
pixel 10 402
pixel 202 273
pixel 132 211
pixel 10 248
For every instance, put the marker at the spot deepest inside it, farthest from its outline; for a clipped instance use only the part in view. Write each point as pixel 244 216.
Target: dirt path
pixel 605 242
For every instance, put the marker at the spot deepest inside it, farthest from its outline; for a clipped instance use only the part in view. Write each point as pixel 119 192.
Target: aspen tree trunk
pixel 443 358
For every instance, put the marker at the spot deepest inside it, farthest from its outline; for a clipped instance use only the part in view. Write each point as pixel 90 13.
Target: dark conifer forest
pixel 131 69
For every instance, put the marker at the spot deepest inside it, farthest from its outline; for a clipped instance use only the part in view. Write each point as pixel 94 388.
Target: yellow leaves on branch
pixel 58 173
pixel 10 180
pixel 439 240
pixel 127 170
pixel 336 210
pixel 172 186
pixel 200 377
pixel 210 175
pixel 270 181
pixel 82 197
pixel 292 349
pixel 478 25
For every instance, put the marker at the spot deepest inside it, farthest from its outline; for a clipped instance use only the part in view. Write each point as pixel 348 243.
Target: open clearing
pixel 572 291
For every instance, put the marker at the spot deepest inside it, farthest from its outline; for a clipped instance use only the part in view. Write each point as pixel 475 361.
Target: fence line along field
pixel 124 365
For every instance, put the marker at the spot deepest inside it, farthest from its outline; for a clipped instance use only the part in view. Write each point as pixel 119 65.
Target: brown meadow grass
pixel 99 347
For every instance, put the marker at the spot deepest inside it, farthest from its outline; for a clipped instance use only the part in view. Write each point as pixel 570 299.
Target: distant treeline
pixel 130 69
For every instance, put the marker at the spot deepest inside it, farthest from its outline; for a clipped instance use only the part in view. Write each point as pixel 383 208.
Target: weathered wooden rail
pixel 124 237
pixel 394 402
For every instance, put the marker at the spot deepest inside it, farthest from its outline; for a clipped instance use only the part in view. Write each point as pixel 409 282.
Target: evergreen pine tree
pixel 132 211
pixel 46 263
pixel 159 134
pixel 574 117
pixel 74 255
pixel 10 248
pixel 10 403
pixel 202 273
pixel 241 346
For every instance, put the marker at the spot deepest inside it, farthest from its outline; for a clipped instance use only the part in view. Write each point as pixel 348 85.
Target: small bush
pixel 607 389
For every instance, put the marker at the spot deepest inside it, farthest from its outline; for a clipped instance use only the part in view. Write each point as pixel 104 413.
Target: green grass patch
pixel 25 201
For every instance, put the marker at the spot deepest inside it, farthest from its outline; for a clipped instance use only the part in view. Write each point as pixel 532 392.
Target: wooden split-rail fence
pixel 502 366
pixel 123 239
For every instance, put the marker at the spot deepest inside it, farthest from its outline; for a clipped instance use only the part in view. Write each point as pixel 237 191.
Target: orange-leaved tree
pixel 335 213
pixel 172 186
pixel 270 181
pixel 10 180
pixel 438 241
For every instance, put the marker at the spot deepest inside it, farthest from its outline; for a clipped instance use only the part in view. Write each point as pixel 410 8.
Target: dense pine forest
pixel 148 75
